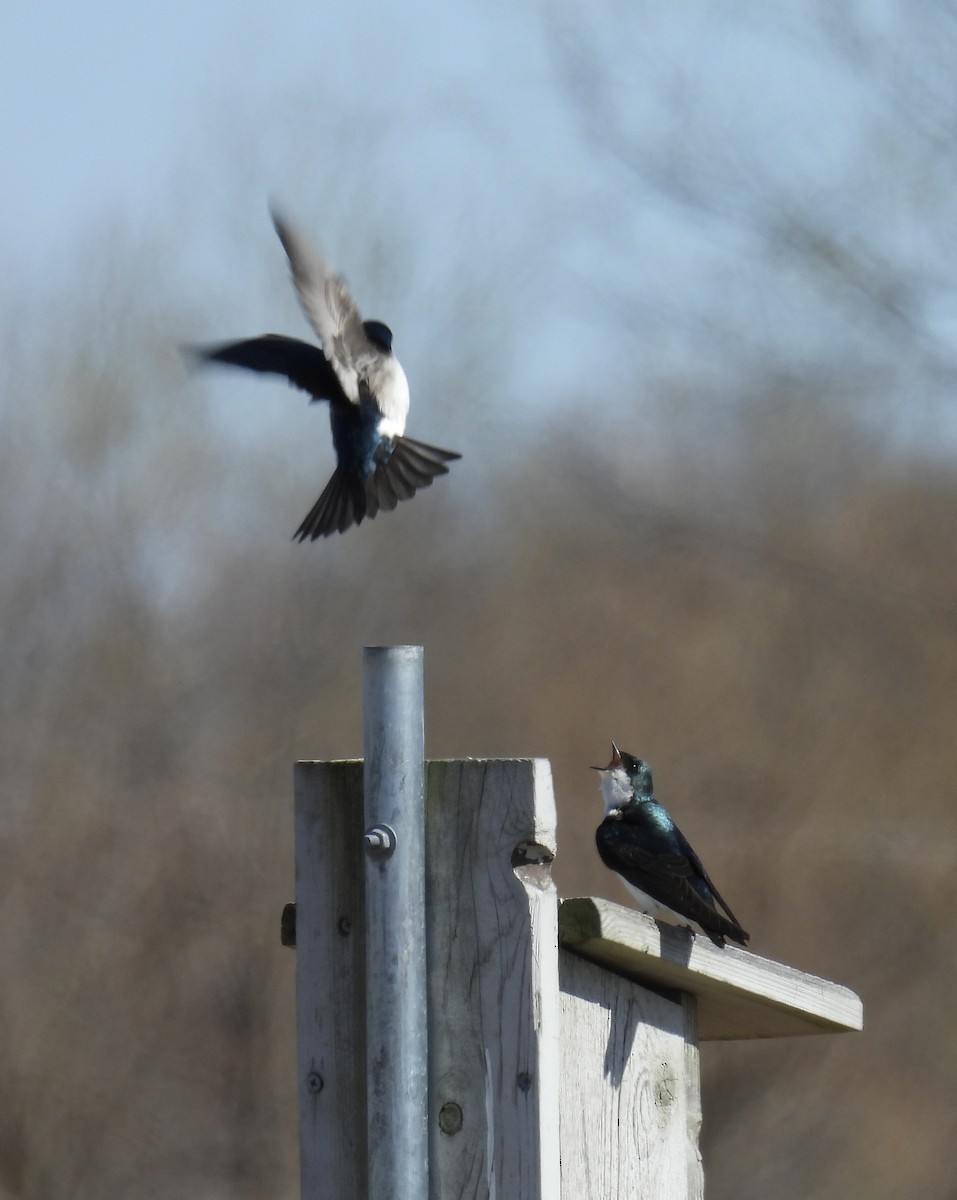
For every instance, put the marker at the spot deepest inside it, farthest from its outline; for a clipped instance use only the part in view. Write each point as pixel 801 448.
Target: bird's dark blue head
pixel 379 334
pixel 637 769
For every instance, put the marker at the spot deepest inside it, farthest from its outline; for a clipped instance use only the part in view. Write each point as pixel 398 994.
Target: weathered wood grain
pixel 740 995
pixel 493 981
pixel 330 973
pixel 693 1099
pixel 629 1089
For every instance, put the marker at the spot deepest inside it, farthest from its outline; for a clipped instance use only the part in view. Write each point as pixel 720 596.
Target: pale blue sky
pixel 100 102
pixel 450 130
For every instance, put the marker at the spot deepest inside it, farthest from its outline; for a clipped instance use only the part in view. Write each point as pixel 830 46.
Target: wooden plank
pixel 330 973
pixel 740 995
pixel 693 1101
pixel 630 1099
pixel 493 981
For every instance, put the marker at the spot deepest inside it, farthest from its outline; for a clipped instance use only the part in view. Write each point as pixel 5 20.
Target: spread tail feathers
pixel 348 499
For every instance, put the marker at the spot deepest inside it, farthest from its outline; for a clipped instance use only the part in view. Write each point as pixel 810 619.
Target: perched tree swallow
pixel 639 840
pixel 365 385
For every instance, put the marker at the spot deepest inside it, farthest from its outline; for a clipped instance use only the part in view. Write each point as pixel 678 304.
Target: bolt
pixel 379 841
pixel 314 1083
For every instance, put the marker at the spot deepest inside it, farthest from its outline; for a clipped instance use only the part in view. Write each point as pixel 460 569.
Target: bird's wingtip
pixel 282 225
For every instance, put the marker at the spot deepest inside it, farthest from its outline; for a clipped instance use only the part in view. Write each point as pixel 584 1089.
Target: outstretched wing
pixel 304 365
pixel 329 308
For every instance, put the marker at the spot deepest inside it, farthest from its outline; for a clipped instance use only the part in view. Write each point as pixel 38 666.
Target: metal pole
pixel 396 1015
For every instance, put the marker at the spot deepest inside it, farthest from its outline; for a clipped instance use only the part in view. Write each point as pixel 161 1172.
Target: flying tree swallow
pixel 639 840
pixel 363 381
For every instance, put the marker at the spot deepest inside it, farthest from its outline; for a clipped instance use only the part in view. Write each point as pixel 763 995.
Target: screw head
pixel 379 841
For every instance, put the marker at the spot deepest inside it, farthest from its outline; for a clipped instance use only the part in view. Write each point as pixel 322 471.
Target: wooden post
pixel 493 981
pixel 494 1053
pixel 330 980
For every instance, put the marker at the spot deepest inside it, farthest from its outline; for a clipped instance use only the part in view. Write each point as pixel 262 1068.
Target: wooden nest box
pixel 535 1049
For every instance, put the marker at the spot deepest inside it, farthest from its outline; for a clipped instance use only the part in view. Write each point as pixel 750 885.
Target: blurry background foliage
pixel 681 288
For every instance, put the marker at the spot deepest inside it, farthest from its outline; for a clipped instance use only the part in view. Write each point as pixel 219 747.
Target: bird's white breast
pixel 387 382
pixel 654 908
pixel 615 789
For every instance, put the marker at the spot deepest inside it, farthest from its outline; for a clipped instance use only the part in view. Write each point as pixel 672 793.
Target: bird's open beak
pixel 615 760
